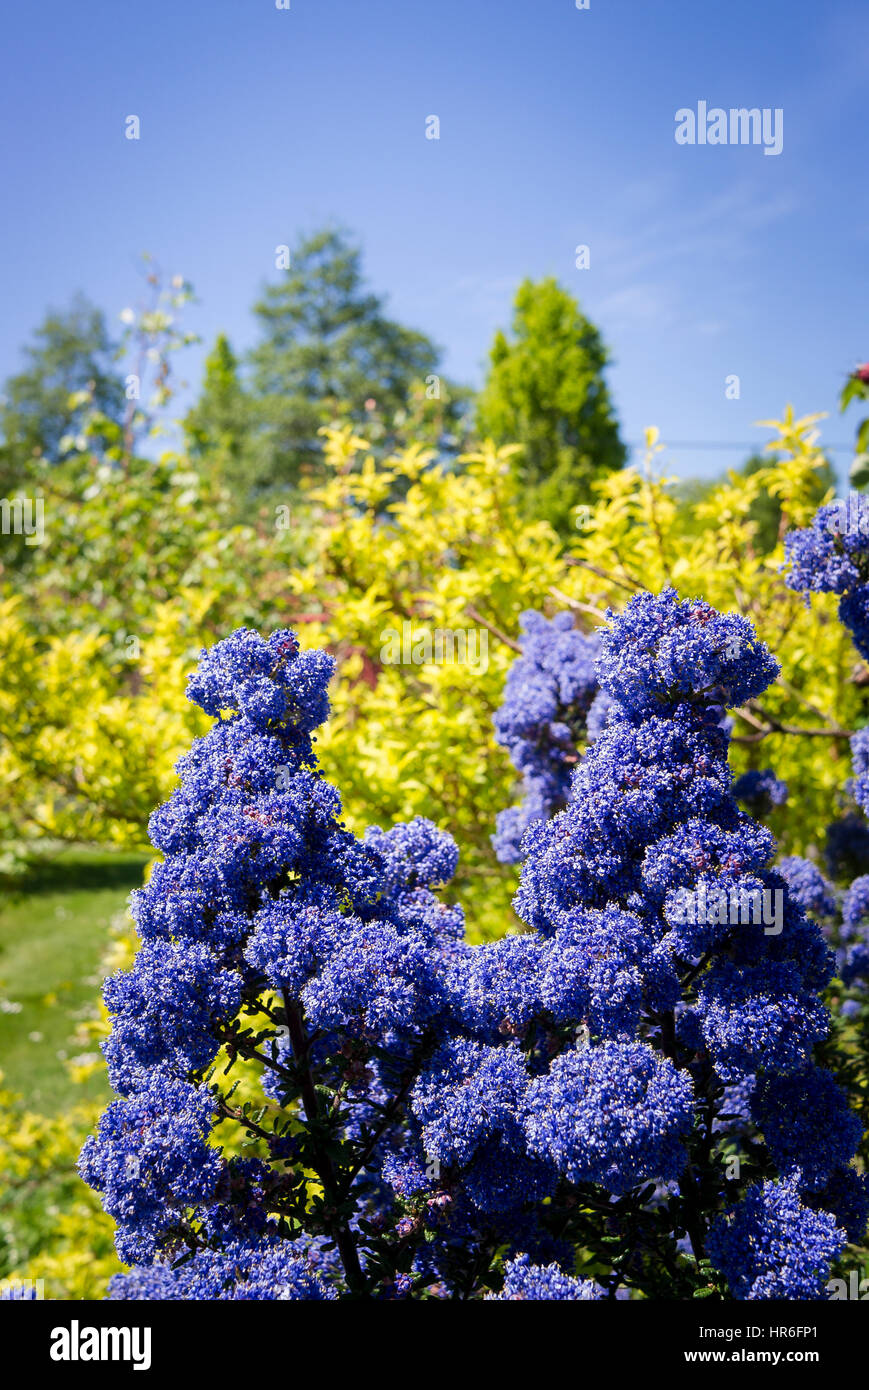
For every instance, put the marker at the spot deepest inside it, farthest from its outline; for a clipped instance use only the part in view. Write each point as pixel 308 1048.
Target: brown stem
pixel 603 574
pixel 771 725
pixel 389 1115
pixel 324 1169
pixel 472 612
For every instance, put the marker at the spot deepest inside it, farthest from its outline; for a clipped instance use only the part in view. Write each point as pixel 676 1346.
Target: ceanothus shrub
pixel 832 556
pixel 324 1091
pixel 551 700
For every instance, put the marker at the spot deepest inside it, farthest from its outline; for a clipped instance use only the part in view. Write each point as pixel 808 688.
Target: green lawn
pixel 52 939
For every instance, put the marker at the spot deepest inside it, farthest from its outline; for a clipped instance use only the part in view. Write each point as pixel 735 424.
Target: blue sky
pixel 557 128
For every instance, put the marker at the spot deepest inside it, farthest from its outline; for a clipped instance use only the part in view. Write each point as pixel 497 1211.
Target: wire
pixel 754 447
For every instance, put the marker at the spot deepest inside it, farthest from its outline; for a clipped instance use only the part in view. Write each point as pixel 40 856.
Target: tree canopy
pixel 546 391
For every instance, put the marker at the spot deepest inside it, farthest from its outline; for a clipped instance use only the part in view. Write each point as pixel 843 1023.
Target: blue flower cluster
pixel 151 1160
pixel 551 696
pixel 860 761
pixel 263 901
pixel 845 915
pixel 808 1126
pixel 616 1115
pixel 432 1112
pixel 808 886
pixel 264 1268
pixel 846 851
pixel 832 556
pixel 853 953
pixel 854 934
pixel 772 1245
pixel 760 790
pixel 524 1280
pixel 652 818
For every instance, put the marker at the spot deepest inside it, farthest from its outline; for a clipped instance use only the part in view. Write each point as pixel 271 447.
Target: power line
pixel 754 446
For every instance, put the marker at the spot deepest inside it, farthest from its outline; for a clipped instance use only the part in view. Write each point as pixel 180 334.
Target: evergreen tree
pixel 328 351
pixel 218 427
pixel 72 351
pixel 546 391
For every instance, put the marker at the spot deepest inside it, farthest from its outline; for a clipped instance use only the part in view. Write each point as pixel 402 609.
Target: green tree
pixel 218 427
pixel 328 352
pixel 765 511
pixel 546 391
pixel 71 353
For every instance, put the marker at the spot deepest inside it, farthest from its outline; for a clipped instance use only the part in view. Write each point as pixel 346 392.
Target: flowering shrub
pixel 760 790
pixel 551 698
pixel 832 556
pixel 325 1091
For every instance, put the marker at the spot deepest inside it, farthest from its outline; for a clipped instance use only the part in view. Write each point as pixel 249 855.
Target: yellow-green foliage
pixel 52 1226
pixel 121 542
pixel 85 753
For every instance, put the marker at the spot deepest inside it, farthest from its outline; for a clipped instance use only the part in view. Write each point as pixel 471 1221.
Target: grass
pixel 52 939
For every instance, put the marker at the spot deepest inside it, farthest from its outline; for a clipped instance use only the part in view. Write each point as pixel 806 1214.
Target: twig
pixel 472 612
pixel 775 726
pixel 341 1232
pixel 579 607
pixel 602 574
